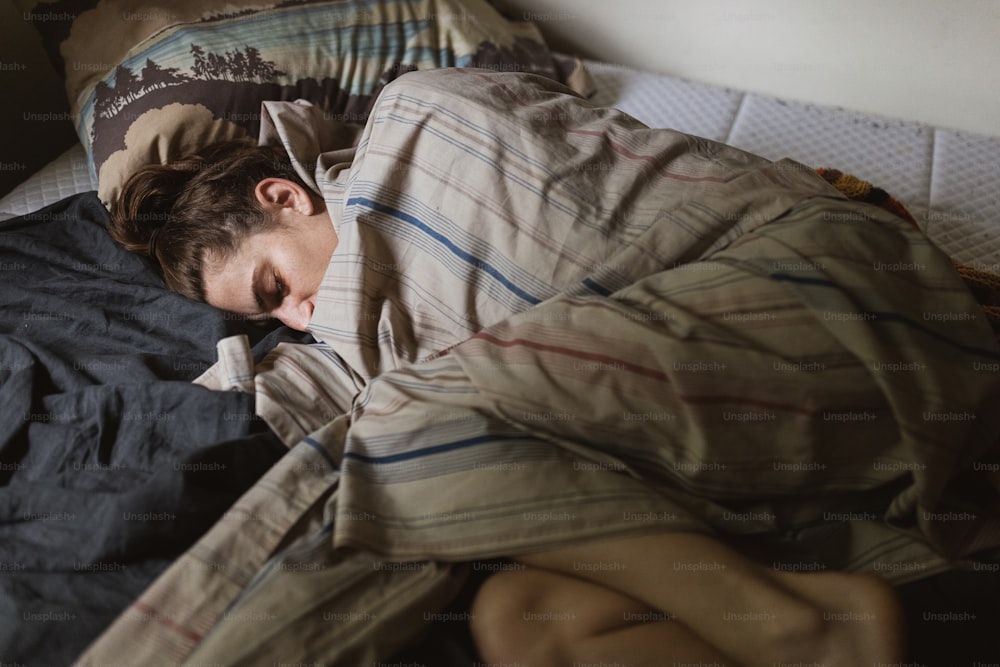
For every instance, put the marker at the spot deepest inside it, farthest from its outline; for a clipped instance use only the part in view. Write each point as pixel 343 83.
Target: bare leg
pixel 537 617
pixel 755 615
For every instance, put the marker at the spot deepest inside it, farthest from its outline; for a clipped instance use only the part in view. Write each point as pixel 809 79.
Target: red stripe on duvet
pixel 589 356
pixel 648 372
pixel 621 150
pixel 161 618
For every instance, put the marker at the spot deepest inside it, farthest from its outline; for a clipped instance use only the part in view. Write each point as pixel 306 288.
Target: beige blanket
pixel 710 342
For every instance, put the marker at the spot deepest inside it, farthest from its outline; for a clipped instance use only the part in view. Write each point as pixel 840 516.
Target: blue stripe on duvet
pixel 596 287
pixel 429 451
pixel 322 451
pixel 446 242
pixel 883 316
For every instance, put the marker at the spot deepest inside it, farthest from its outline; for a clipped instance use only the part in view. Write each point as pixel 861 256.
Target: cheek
pixel 307 257
pixel 306 268
pixel 319 267
pixel 319 255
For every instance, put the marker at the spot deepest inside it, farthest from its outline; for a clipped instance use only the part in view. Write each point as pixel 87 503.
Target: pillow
pixel 150 81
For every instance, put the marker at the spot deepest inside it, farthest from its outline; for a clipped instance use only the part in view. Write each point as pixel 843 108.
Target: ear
pixel 282 194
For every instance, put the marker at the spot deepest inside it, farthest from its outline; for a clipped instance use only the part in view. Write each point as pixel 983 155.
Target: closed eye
pixel 279 290
pixel 267 298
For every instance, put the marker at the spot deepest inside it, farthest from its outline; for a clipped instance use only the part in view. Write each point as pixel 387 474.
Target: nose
pixel 296 314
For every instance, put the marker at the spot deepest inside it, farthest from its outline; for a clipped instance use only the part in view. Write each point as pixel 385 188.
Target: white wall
pixel 935 61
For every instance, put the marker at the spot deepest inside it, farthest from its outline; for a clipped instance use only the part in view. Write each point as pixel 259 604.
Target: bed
pixel 105 423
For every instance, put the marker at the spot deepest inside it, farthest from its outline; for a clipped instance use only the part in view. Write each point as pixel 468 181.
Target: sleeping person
pixel 234 227
pixel 716 347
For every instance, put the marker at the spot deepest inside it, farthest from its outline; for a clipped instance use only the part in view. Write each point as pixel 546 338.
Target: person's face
pixel 276 273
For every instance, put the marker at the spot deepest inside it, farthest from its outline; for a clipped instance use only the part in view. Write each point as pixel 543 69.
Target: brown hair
pixel 176 212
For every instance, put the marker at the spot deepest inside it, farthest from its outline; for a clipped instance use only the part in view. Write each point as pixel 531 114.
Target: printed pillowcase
pixel 151 81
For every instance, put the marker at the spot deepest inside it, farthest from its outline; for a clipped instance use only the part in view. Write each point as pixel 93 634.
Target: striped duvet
pixel 561 325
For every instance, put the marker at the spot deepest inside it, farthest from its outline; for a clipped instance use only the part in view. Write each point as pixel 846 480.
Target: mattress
pixel 949 180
